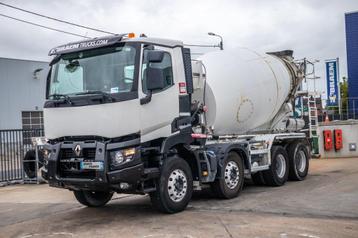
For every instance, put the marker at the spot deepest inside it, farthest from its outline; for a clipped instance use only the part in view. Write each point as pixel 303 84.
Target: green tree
pixel 344 93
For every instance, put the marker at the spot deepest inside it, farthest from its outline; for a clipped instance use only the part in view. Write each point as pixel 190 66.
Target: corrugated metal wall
pixel 352 53
pixel 19 90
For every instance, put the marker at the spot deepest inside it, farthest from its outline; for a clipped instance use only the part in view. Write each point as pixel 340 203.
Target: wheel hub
pixel 301 161
pixel 177 185
pixel 232 174
pixel 280 166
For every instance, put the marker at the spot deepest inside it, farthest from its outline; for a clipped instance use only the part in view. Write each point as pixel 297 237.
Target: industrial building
pixel 351 20
pixel 22 93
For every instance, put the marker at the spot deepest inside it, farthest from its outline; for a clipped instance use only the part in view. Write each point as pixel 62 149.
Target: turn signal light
pixel 129 152
pixel 131 35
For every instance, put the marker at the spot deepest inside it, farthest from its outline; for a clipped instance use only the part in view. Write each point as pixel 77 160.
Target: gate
pixel 13 146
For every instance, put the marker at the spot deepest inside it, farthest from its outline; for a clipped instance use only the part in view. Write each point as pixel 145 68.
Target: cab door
pixel 157 115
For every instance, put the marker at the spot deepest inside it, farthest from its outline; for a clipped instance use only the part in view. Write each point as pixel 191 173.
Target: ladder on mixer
pixel 313 123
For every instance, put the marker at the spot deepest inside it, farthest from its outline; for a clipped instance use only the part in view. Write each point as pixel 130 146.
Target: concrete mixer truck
pixel 138 115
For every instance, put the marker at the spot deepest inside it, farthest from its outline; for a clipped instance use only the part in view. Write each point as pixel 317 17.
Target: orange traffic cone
pixel 326 119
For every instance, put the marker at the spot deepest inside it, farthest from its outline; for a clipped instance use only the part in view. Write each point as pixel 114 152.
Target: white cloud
pixel 312 28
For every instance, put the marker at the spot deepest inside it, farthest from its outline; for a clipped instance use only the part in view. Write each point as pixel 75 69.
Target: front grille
pixel 69 163
pixel 86 153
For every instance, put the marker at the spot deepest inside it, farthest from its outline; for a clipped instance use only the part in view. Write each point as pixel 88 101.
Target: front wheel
pixel 93 198
pixel 174 188
pixel 232 177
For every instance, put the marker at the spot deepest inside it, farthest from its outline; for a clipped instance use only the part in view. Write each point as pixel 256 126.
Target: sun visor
pixel 87 44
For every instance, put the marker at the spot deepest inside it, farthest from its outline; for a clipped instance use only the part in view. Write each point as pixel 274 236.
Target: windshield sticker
pixel 115 90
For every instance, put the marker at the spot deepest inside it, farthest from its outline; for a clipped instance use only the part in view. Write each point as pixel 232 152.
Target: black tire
pixel 30 164
pixel 272 175
pixel 92 198
pixel 220 187
pixel 258 179
pixel 175 198
pixel 299 157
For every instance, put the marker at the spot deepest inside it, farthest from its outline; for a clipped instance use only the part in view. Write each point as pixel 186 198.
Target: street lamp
pixel 221 44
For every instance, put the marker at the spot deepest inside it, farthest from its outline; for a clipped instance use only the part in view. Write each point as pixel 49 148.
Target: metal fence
pixel 338 116
pixel 13 146
pixel 347 109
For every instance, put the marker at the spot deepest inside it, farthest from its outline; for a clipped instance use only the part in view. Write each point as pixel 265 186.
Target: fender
pixel 183 137
pixel 222 150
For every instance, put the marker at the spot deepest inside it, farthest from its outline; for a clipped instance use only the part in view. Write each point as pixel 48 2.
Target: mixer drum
pixel 244 89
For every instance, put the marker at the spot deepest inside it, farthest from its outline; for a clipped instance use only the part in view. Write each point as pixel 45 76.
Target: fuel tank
pixel 244 89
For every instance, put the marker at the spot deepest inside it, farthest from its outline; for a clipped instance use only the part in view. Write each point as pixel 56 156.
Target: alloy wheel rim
pixel 177 185
pixel 301 161
pixel 232 174
pixel 280 166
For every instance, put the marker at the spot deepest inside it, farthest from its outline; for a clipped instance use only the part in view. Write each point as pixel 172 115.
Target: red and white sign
pixel 182 88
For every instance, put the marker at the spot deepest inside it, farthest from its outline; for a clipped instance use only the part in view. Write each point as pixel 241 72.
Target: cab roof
pixel 110 40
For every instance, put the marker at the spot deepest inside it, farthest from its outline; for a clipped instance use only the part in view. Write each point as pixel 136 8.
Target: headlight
pixel 119 157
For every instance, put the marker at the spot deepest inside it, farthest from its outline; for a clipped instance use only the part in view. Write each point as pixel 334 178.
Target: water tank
pixel 244 89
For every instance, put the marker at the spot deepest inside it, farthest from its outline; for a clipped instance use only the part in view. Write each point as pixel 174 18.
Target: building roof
pixel 353 12
pixel 28 60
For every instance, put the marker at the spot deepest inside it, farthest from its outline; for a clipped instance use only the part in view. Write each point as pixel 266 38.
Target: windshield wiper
pixel 66 98
pixel 104 94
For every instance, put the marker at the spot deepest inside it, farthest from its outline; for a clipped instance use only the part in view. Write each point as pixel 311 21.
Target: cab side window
pixel 165 66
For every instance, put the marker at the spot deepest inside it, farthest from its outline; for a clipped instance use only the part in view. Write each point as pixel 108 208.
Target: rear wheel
pixel 299 161
pixel 174 188
pixel 277 174
pixel 92 198
pixel 232 177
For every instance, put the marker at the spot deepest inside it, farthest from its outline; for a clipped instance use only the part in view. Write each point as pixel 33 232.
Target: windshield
pixel 109 70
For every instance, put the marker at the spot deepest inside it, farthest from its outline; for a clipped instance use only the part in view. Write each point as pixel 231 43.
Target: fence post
pixel 354 110
pixel 37 162
pixel 347 109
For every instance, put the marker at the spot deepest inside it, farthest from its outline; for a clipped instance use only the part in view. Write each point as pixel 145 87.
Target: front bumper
pixel 63 166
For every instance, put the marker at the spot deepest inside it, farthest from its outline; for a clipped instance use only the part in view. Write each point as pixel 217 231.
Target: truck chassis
pixel 223 163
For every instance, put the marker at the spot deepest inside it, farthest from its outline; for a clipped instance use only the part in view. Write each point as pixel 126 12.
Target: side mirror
pixel 155 56
pixel 154 79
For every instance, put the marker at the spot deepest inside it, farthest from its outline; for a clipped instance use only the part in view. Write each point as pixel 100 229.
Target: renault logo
pixel 77 150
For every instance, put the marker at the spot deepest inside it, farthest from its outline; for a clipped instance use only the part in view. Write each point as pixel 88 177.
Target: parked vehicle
pixel 138 115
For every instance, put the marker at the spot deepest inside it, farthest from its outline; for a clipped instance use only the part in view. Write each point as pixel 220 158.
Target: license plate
pixel 94 165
